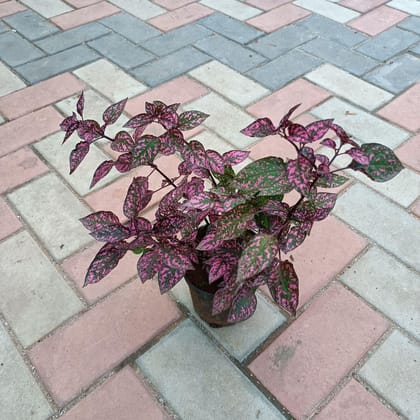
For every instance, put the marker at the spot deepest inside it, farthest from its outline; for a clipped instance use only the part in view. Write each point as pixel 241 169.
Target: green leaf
pixel 233 223
pixel 383 163
pixel 331 182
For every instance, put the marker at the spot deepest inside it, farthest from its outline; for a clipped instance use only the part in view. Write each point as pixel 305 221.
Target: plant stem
pixel 169 180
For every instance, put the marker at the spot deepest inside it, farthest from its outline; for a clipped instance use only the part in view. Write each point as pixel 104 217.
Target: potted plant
pixel 227 232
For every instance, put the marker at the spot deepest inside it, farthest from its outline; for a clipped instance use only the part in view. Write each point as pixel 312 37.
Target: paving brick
pixel 48 8
pixel 398 74
pixel 329 29
pixel 278 103
pixel 85 15
pixel 304 364
pixel 336 54
pixel 378 20
pixel 213 141
pixel 374 277
pixel 176 376
pixel 130 27
pixel 107 334
pixel 3 27
pixel 81 3
pixel 403 110
pixel 31 25
pixel 36 299
pixel 267 4
pixel 243 338
pixel 408 153
pixel 230 28
pixel 121 51
pixel 19 167
pixel 180 17
pixel 412 23
pixel 173 4
pixel 123 396
pixel 61 62
pixel 279 17
pixel 415 208
pixel 225 119
pixel 281 41
pixel 232 8
pixel 229 83
pixel 9 81
pixel 55 218
pixel 10 7
pixel 170 66
pixel 24 397
pixel 365 127
pixel 410 6
pixel 110 80
pixel 415 49
pixel 329 10
pixel 397 358
pixel 143 9
pixel 293 64
pixel 17 50
pixel 176 39
pixel 71 37
pixel 349 87
pixel 401 228
pixel 388 43
pixel 28 129
pixel 230 53
pixel 362 6
pixel 37 96
pixel 354 402
pixel 9 223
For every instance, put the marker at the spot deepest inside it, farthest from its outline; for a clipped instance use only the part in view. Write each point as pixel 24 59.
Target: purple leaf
pixel 294 238
pixel 69 125
pixel 171 141
pixel 257 256
pixel 234 157
pixel 168 119
pixel 145 150
pixel 89 130
pixel 223 298
pixel 218 268
pixel 333 181
pixel 298 133
pixel 80 104
pixel 99 220
pixel 299 174
pixel 78 154
pixel 113 112
pixel 260 128
pixel 233 223
pixel 111 233
pixel 138 196
pixel 244 305
pixel 104 262
pixel 322 159
pixel 123 163
pixel 318 129
pixel 343 136
pixel 139 120
pixel 148 265
pixel 191 119
pixel 215 162
pixel 358 156
pixel 202 201
pixel 329 143
pixel 123 142
pixel 209 242
pixel 101 171
pixel 285 120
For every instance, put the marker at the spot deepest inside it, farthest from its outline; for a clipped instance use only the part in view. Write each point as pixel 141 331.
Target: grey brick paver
pixel 230 53
pixel 48 8
pixel 72 37
pixel 16 50
pixel 185 364
pixel 416 49
pixel 121 51
pixel 231 28
pixel 3 27
pixel 130 27
pixel 31 25
pixel 58 63
pixel 340 56
pixel 170 66
pixel 412 23
pixel 388 43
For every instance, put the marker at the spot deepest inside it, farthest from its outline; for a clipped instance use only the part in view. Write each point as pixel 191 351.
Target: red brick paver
pixel 10 7
pixel 409 153
pixel 9 223
pixel 267 4
pixel 362 5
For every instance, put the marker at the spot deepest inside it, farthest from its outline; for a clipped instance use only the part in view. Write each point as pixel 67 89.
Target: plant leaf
pixel 78 154
pixel 209 242
pixel 318 129
pixel 148 264
pixel 101 171
pixel 69 125
pixel 260 128
pixel 215 162
pixel 243 306
pixel 98 220
pixel 223 298
pixel 234 157
pixel 234 222
pixel 145 151
pixel 89 130
pixel 111 233
pixel 139 121
pixel 123 142
pixel 80 104
pixel 138 196
pixel 359 156
pixel 299 174
pixel 295 236
pixel 284 122
pixel 113 112
pixel 329 143
pixel 298 133
pixel 334 181
pixel 191 119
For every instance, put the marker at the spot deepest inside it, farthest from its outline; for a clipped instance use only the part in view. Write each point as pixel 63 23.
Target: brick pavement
pixel 118 350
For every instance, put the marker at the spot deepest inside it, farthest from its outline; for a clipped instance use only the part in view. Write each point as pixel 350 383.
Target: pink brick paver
pixel 28 129
pixel 409 153
pixel 378 20
pixel 354 402
pixel 404 109
pixel 267 4
pixel 85 15
pixel 173 4
pixel 278 17
pixel 9 223
pixel 180 17
pixel 78 354
pixel 415 208
pixel 123 396
pixel 362 5
pixel 81 3
pixel 19 167
pixel 10 7
pixel 303 365
pixel 37 96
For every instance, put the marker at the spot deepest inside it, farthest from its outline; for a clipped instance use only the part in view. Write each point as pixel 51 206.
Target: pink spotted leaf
pixel 284 122
pixel 78 154
pixel 297 133
pixel 260 128
pixel 138 196
pixel 89 130
pixel 101 171
pixel 98 220
pixel 329 143
pixel 123 142
pixel 234 157
pixel 215 162
pixel 191 119
pixel 359 156
pixel 145 150
pixel 123 163
pixel 299 174
pixel 139 120
pixel 318 129
pixel 243 305
pixel 113 112
pixel 223 299
pixel 148 264
pixel 80 104
pixel 209 242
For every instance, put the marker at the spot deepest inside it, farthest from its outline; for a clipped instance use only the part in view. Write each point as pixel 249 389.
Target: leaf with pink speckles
pixel 191 119
pixel 98 220
pixel 138 196
pixel 329 143
pixel 111 233
pixel 318 129
pixel 218 268
pixel 69 125
pixel 202 201
pixel 234 157
pixel 123 163
pixel 257 256
pixel 333 181
pixel 215 162
pixel 148 264
pixel 295 236
pixel 209 242
pixel 80 104
pixel 243 305
pixel 284 286
pixel 104 262
pixel 113 112
pixel 123 142
pixel 233 223
pixel 145 151
pixel 299 174
pixel 383 163
pixel 358 155
pixel 139 120
pixel 101 171
pixel 168 119
pixel 284 122
pixel 89 130
pixel 298 134
pixel 260 128
pixel 343 136
pixel 78 154
pixel 222 299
